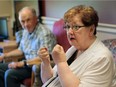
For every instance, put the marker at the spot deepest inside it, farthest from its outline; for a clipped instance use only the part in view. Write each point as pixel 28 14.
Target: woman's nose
pixel 70 30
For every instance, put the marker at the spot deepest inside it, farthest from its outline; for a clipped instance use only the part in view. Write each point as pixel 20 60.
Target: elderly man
pixel 34 36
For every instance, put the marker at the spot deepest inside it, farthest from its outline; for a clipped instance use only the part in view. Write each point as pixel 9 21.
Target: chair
pixel 61 37
pixel 111 44
pixel 61 40
pixel 28 82
pixel 60 34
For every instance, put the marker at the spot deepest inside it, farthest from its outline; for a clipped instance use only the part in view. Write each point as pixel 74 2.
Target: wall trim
pixel 107 28
pixel 102 27
pixel 5 15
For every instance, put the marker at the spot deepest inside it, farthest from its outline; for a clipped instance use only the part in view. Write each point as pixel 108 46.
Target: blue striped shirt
pixel 31 43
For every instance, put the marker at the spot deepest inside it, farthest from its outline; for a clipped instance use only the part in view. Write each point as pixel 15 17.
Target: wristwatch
pixel 25 62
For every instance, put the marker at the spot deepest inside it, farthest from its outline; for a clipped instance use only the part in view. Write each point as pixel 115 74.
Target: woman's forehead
pixel 74 20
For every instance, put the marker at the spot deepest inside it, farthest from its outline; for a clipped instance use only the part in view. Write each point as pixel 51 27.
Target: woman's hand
pixel 44 55
pixel 58 54
pixel 46 69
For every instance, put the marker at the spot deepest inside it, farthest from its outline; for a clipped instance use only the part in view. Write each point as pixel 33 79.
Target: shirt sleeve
pixel 47 39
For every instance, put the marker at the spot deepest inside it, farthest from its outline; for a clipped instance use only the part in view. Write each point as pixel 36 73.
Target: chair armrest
pixel 8 46
pixel 14 59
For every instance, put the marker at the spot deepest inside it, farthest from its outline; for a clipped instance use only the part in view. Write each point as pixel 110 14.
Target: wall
pixel 56 9
pixel 6 10
pixel 105 8
pixel 20 4
pixel 106 31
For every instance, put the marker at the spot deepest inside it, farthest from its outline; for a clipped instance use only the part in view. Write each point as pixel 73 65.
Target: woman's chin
pixel 72 43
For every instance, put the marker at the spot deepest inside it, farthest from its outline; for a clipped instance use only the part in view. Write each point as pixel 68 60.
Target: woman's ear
pixel 92 30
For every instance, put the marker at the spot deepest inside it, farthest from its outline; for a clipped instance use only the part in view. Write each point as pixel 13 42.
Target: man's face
pixel 27 20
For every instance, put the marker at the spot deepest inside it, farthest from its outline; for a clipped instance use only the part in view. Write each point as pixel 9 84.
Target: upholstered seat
pixel 111 44
pixel 28 82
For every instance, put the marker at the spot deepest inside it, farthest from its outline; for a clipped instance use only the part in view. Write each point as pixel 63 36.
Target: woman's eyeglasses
pixel 75 27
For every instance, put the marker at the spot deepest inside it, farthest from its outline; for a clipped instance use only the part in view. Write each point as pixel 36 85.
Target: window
pixel 3 28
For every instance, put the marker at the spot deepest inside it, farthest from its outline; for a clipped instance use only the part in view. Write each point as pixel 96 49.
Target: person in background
pixel 87 63
pixel 35 36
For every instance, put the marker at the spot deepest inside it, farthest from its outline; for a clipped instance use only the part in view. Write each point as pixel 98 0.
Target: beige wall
pixel 6 10
pixel 6 7
pixel 31 3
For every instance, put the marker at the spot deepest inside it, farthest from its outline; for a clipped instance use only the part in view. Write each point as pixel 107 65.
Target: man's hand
pixel 1 57
pixel 16 64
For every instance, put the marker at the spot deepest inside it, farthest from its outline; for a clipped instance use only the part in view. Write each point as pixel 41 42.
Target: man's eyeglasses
pixel 75 28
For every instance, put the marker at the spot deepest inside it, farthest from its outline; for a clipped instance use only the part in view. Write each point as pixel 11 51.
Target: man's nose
pixel 25 24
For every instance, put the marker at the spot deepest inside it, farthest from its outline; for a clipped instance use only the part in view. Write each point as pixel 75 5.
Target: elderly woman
pixel 88 63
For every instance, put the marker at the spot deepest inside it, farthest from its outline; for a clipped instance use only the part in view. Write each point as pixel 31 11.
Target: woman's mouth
pixel 71 38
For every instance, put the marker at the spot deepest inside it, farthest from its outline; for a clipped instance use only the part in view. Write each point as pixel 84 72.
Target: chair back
pixel 60 34
pixel 111 44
